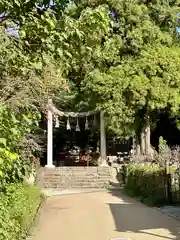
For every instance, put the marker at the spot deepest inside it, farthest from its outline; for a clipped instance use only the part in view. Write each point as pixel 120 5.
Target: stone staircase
pixel 74 177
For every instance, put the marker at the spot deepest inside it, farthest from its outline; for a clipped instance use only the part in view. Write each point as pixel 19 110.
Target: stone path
pixel 173 211
pixel 102 215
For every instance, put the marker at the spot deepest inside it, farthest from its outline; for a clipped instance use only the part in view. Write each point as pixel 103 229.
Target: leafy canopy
pixel 150 81
pixel 135 60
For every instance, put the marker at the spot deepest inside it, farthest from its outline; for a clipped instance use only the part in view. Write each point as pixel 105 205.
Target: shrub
pixel 148 182
pixel 18 207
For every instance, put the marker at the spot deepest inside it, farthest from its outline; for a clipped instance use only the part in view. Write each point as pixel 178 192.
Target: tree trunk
pixel 142 143
pixel 138 146
pixel 147 133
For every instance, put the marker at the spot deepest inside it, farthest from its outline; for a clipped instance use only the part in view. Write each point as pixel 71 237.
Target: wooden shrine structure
pixel 54 113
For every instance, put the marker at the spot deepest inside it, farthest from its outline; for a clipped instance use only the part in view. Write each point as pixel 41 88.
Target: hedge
pixel 18 208
pixel 146 182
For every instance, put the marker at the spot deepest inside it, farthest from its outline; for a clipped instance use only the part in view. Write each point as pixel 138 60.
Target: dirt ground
pixel 102 215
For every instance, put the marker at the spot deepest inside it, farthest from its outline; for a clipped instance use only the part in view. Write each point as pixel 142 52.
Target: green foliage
pixel 162 144
pixel 30 75
pixel 14 127
pixel 138 59
pixel 164 154
pixel 137 85
pixel 147 183
pixel 122 44
pixel 18 207
pixel 7 161
pixel 14 162
pixel 118 56
pixel 28 78
pixel 15 9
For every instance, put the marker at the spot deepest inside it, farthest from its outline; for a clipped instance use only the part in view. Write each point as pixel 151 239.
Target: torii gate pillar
pixel 103 157
pixel 49 137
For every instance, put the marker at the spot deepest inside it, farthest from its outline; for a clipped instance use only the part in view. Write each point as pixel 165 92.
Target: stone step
pixel 49 185
pixel 76 172
pixel 79 187
pixel 73 169
pixel 76 185
pixel 74 177
pixel 77 177
pixel 77 180
pixel 68 186
pixel 56 185
pixel 64 169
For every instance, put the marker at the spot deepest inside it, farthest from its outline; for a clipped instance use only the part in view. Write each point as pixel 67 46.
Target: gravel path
pixel 102 216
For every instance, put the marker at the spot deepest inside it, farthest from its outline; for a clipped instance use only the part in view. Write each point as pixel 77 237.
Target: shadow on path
pixel 132 216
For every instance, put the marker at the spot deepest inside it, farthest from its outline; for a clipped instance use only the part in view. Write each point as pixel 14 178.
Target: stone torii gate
pixel 53 111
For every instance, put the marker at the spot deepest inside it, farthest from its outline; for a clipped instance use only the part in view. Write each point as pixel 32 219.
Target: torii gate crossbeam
pixel 52 110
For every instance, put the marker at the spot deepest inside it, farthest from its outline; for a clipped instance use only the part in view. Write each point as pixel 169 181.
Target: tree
pixel 25 83
pixel 133 90
pixel 28 78
pixel 133 67
pixel 103 50
pixel 34 25
pixel 16 10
